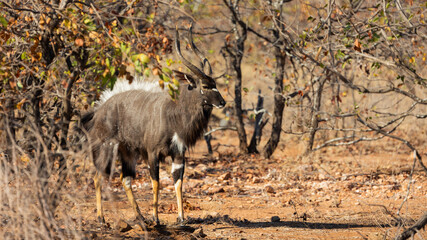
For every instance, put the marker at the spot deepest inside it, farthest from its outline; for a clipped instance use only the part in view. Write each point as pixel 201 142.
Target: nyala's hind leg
pixel 153 163
pixel 127 185
pixel 104 158
pixel 99 211
pixel 128 159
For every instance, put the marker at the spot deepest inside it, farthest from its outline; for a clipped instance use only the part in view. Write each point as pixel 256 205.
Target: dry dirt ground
pixel 330 195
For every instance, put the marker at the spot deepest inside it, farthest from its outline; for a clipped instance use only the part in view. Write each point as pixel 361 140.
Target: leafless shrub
pixel 37 195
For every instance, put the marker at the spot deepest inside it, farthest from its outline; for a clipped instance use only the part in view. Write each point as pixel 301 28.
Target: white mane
pixel 122 85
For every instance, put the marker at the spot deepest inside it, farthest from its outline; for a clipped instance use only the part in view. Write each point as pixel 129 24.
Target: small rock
pixel 209 215
pixel 275 219
pixel 206 187
pixel 225 176
pixel 269 189
pixel 335 203
pixel 195 174
pixel 256 180
pixel 198 233
pixel 216 190
pixel 351 185
pixel 201 167
pixel 123 226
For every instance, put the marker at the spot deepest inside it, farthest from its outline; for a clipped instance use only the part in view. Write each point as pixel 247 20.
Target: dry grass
pixel 28 209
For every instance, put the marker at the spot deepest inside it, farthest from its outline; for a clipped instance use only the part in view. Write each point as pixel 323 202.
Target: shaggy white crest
pixel 122 85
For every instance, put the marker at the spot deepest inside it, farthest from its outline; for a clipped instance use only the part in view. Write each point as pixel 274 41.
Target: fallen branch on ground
pixel 413 229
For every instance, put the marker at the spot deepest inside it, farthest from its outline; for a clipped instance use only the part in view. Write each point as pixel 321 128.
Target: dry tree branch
pixel 410 232
pixel 363 89
pixel 402 13
pixel 331 142
pixel 178 9
pixel 220 129
pixel 406 142
pixel 19 9
pixel 102 22
pixel 409 184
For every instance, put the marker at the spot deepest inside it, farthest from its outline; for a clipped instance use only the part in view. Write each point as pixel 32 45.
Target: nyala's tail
pixel 81 130
pixel 105 156
pixel 104 153
pixel 85 123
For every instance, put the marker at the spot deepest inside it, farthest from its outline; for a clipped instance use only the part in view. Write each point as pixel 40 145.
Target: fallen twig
pixel 413 229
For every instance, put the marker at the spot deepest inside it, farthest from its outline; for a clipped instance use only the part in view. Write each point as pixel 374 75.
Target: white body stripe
pixel 176 141
pixel 176 167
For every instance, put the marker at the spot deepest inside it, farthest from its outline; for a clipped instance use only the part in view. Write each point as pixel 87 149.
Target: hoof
pixel 101 220
pixel 159 226
pixel 148 221
pixel 156 222
pixel 102 224
pixel 181 222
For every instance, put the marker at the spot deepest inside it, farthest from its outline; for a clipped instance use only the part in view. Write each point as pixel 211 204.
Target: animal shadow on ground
pixel 265 224
pixel 190 231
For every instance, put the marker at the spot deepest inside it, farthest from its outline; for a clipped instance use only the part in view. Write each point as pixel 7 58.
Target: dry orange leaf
pixel 227 38
pixel 19 105
pixel 357 45
pixel 12 84
pixel 79 42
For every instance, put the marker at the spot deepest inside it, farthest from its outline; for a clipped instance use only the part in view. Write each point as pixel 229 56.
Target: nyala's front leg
pixel 178 167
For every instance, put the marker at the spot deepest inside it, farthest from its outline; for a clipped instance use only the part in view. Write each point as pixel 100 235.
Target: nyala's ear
pixel 180 76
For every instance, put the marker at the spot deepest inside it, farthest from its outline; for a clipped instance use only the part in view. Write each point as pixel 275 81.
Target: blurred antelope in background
pixel 140 120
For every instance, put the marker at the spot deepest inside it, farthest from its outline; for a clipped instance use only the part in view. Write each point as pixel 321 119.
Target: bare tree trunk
pixel 279 104
pixel 257 126
pixel 8 123
pixel 238 110
pixel 318 94
pixel 235 52
pixel 67 113
pixel 314 115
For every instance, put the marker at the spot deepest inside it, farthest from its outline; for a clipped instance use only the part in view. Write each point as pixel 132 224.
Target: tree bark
pixel 314 116
pixel 240 125
pixel 67 114
pixel 279 104
pixel 235 51
pixel 257 126
pixel 9 121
